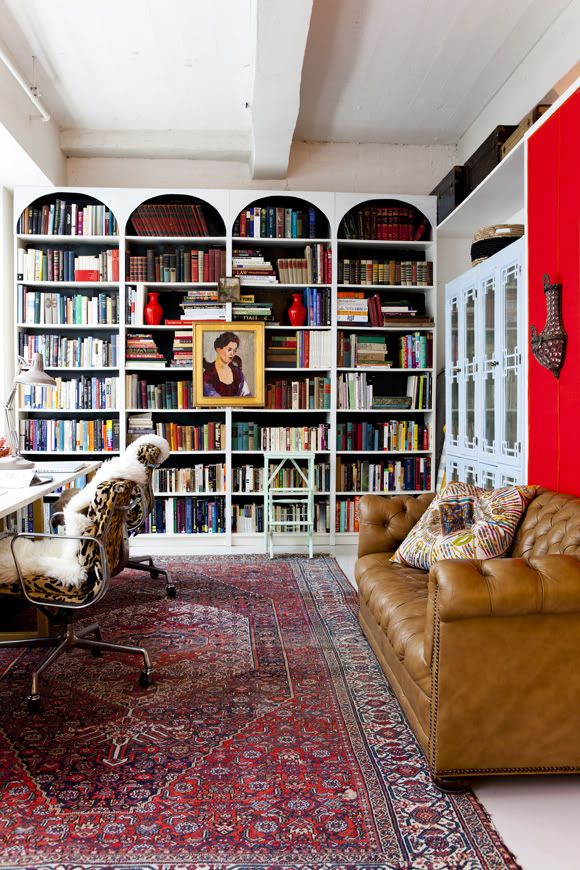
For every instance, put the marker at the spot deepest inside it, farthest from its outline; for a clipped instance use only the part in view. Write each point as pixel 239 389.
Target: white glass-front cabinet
pixel 484 376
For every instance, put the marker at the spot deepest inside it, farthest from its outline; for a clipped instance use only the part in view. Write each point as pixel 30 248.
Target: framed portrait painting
pixel 228 364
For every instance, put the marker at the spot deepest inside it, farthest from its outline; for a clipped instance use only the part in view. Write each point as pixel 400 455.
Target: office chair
pixel 102 553
pixel 150 451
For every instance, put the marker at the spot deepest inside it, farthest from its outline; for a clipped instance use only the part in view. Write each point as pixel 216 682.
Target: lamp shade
pixel 35 374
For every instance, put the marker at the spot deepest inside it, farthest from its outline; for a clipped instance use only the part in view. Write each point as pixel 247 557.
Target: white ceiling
pixel 237 79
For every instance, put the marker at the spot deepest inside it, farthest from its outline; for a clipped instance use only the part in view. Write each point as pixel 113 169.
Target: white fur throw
pixel 58 557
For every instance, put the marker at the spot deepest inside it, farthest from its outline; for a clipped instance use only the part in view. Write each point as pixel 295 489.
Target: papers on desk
pixel 69 467
pixel 16 479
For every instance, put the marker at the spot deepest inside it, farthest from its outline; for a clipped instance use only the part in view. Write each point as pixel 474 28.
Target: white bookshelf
pixel 228 204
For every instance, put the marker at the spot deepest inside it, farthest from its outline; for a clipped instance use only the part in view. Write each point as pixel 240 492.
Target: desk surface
pixel 14 499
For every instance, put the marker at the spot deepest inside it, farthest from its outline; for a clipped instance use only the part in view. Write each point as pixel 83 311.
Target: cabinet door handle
pixel 493 364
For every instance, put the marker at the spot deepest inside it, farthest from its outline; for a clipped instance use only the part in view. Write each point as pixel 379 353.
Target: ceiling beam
pixel 175 144
pixel 281 33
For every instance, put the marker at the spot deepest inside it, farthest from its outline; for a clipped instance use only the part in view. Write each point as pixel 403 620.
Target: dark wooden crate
pixel 450 192
pixel 487 156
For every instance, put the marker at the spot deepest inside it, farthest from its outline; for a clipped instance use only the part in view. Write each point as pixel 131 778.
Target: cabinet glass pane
pixel 489 302
pixel 470 476
pixel 454 334
pixel 510 435
pixel 470 326
pixel 454 434
pixel 489 413
pixel 487 479
pixel 510 296
pixel 453 471
pixel 470 411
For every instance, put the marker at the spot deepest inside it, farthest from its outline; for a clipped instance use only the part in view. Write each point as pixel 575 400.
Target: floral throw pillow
pixel 496 514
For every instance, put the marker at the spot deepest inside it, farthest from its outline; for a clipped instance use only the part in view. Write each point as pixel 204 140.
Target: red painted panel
pixel 554 248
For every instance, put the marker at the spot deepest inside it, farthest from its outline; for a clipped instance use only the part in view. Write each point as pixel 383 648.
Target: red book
pixel 88 274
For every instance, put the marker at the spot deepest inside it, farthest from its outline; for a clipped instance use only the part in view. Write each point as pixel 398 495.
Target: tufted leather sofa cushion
pixel 551 524
pixel 385 522
pixel 396 596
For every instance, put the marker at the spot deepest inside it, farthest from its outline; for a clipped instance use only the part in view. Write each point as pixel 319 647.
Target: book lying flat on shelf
pixel 59 467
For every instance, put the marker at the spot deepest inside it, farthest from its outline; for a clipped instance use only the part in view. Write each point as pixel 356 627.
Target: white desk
pixel 12 500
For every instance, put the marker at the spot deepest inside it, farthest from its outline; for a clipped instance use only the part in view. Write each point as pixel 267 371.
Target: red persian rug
pixel 269 739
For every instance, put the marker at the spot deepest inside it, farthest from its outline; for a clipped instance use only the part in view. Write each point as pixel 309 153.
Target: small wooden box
pixel 450 192
pixel 523 127
pixel 486 157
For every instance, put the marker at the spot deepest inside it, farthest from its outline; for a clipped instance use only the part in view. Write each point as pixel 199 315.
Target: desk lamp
pixel 29 374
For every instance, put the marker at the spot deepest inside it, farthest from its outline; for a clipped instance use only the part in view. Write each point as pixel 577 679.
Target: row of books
pixel 197 478
pixel 317 303
pixel 347 514
pixel 60 351
pixel 38 307
pixel 275 222
pixel 64 218
pixel 58 264
pixel 392 435
pixel 384 223
pixel 252 436
pixel 250 478
pixel 139 393
pixel 253 311
pixel 183 348
pixel 303 393
pixel 366 351
pixel 251 267
pixel 308 349
pixel 314 268
pixel 378 476
pixel 248 519
pixel 400 273
pixel 203 436
pixel 84 393
pixel 416 351
pixel 170 219
pixel 69 436
pixel 186 515
pixel 181 264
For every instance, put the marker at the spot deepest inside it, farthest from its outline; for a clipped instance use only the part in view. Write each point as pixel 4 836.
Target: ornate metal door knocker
pixel 549 346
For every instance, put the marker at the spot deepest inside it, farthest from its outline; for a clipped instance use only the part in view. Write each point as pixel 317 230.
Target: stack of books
pixel 142 352
pixel 251 268
pixel 183 348
pixel 139 424
pixel 252 311
pixel 352 308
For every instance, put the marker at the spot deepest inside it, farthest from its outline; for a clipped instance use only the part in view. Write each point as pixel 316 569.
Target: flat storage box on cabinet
pixel 450 192
pixel 523 128
pixel 486 157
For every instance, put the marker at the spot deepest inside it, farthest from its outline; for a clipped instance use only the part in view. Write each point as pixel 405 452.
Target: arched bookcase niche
pixel 176 216
pixel 67 214
pixel 283 218
pixel 384 220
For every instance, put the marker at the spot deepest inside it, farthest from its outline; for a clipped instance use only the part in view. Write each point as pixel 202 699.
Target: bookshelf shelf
pixel 153 224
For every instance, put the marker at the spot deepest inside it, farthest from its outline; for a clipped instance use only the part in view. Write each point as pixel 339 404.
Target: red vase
pixel 153 310
pixel 297 311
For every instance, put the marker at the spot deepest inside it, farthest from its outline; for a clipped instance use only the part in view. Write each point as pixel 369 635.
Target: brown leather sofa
pixel 484 656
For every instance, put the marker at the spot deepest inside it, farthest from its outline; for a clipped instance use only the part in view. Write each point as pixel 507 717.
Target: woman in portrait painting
pixel 224 376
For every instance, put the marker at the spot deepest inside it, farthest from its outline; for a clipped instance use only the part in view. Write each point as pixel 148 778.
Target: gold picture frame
pixel 228 364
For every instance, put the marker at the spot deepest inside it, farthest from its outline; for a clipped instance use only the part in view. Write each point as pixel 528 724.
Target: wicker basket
pixel 489 240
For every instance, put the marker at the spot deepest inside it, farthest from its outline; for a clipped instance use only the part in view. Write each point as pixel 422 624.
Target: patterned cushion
pixel 496 514
pixel 456 513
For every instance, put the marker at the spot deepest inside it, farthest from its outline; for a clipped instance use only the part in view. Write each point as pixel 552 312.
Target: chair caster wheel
pixel 171 592
pixel 154 575
pixel 96 653
pixel 33 703
pixel 145 679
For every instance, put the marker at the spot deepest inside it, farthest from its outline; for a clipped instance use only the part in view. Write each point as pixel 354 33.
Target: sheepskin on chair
pixel 56 557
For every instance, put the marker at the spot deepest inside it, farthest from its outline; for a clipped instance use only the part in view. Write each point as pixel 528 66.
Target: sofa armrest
pixel 502 642
pixel 385 521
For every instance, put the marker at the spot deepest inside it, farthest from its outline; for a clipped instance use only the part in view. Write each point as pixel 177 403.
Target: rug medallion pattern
pixel 269 739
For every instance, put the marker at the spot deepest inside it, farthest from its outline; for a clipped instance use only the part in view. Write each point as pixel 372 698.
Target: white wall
pixel 549 61
pixel 7 296
pixel 313 166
